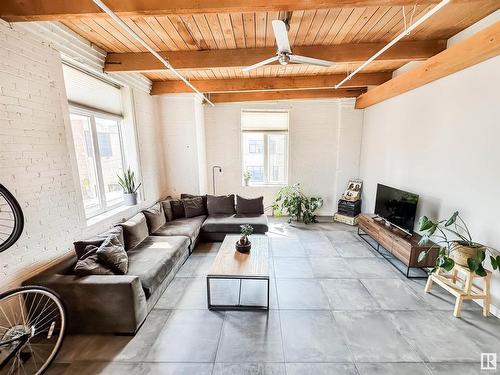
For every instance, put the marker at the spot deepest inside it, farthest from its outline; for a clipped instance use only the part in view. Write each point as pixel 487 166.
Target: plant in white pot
pixel 247 175
pixel 454 240
pixel 128 184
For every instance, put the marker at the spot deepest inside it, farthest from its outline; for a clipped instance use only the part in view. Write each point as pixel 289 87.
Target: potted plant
pixel 247 175
pixel 454 240
pixel 243 245
pixel 128 184
pixel 292 201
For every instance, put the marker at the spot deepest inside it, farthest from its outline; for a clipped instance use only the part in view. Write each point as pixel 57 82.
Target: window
pixel 265 146
pixel 100 158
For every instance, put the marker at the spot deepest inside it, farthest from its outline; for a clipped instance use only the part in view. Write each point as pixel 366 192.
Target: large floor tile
pixel 251 337
pixel 342 237
pixel 287 247
pixel 348 294
pixel 355 250
pixel 174 369
pixel 292 268
pixel 188 336
pixel 320 248
pixel 320 369
pixel 460 369
pixel 330 268
pixel 196 266
pixel 312 336
pixel 301 294
pixel 125 348
pixel 254 293
pixel 436 337
pixel 249 369
pixel 392 369
pixel 393 294
pixel 372 268
pixel 372 337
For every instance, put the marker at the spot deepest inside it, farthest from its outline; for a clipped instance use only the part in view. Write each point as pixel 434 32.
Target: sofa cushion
pixel 249 206
pixel 135 230
pixel 89 264
pixel 220 204
pixel 154 258
pixel 193 207
pixel 155 217
pixel 204 197
pixel 188 226
pixel 231 223
pixel 177 209
pixel 167 209
pixel 98 240
pixel 112 254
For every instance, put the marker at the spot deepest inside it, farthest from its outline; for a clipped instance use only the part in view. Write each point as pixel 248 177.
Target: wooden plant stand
pixel 462 289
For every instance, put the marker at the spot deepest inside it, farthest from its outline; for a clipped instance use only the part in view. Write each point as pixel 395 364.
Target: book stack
pixel 349 207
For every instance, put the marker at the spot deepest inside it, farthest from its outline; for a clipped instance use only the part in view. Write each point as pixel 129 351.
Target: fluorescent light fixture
pixel 394 41
pixel 120 22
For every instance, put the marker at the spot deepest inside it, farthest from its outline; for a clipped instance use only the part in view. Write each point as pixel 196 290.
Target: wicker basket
pixel 463 252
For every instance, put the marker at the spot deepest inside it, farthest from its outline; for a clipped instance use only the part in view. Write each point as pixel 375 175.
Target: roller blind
pixel 89 91
pixel 264 120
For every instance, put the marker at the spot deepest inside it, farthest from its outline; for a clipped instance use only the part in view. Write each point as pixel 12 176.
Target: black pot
pixel 243 248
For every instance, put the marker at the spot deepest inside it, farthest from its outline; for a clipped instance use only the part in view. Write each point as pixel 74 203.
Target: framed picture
pixel 353 192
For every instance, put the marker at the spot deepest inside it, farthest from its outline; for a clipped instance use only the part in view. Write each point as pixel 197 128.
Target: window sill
pixel 120 210
pixel 264 185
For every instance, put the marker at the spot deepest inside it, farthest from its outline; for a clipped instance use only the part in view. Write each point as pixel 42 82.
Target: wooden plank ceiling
pixel 192 33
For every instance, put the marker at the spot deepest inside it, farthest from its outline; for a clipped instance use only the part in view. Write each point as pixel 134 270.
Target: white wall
pixel 319 131
pixel 36 155
pixel 441 141
pixel 183 141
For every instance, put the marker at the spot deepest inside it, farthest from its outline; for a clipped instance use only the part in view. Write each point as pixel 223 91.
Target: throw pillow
pixel 167 208
pixel 98 240
pixel 112 254
pixel 88 264
pixel 249 206
pixel 204 197
pixel 155 217
pixel 177 209
pixel 220 204
pixel 193 206
pixel 135 230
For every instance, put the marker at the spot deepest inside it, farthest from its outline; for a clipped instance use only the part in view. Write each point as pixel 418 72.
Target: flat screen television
pixel 398 207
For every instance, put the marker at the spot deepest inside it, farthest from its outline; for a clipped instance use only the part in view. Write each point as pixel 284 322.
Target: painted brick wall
pixel 35 157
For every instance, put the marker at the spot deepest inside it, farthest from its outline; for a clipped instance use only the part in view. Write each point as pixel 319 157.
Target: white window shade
pixel 264 121
pixel 83 89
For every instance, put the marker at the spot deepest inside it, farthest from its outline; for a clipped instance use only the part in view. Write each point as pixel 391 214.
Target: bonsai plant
pixel 128 184
pixel 244 244
pixel 454 240
pixel 292 201
pixel 247 175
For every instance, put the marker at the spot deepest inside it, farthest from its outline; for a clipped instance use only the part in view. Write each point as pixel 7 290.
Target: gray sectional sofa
pixel 157 243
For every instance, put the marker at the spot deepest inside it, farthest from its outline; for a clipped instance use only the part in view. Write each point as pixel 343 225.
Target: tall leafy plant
pixel 127 182
pixel 292 201
pixel 448 235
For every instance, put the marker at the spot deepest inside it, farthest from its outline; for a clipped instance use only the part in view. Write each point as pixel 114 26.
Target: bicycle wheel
pixel 11 219
pixel 32 328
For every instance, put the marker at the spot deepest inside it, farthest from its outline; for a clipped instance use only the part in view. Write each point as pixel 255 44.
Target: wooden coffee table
pixel 230 264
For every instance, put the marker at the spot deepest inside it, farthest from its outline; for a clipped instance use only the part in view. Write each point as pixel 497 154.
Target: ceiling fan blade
pixel 281 35
pixel 261 63
pixel 310 60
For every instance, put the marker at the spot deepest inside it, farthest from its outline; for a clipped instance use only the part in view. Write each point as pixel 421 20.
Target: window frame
pixel 92 113
pixel 267 169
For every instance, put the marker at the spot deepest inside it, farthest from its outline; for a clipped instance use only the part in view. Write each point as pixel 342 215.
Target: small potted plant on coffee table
pixel 243 245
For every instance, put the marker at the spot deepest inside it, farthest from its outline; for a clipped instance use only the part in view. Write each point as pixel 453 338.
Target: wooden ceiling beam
pixel 56 10
pixel 480 47
pixel 284 95
pixel 225 58
pixel 269 83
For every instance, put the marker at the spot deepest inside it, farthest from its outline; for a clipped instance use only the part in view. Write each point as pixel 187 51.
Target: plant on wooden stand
pixel 128 184
pixel 460 248
pixel 244 244
pixel 292 201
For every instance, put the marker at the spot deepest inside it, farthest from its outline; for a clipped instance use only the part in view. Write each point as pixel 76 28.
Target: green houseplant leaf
pixel 452 219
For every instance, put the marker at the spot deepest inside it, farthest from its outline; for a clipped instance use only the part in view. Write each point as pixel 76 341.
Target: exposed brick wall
pixel 35 154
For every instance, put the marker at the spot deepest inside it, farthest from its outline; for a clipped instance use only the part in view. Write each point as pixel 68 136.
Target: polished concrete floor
pixel 337 307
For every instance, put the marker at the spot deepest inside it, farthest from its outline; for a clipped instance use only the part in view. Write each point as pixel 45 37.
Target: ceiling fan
pixel 284 54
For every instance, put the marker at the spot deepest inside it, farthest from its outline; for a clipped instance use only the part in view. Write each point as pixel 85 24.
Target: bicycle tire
pixel 58 300
pixel 18 218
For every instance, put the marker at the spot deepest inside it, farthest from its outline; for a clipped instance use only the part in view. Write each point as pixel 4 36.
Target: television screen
pixel 396 206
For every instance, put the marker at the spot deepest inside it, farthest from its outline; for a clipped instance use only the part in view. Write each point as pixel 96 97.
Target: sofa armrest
pixel 99 303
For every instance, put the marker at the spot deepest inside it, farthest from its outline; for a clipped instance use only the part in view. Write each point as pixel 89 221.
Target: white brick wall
pixel 35 154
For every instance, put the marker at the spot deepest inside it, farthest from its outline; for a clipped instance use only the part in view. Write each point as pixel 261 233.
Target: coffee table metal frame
pixel 239 306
